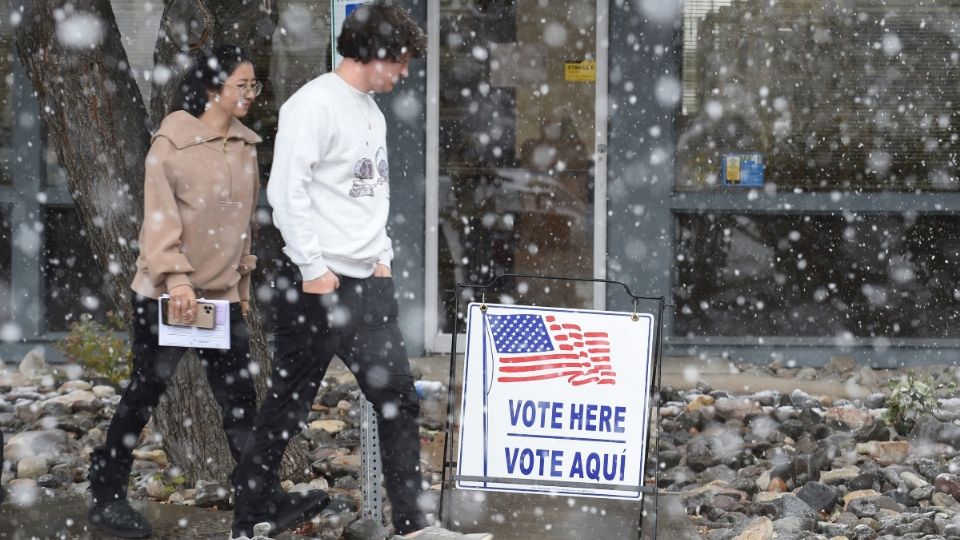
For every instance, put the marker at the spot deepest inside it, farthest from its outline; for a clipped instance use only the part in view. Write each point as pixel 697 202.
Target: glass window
pixel 870 275
pixel 853 95
pixel 7 118
pixel 6 275
pixel 516 140
pixel 72 280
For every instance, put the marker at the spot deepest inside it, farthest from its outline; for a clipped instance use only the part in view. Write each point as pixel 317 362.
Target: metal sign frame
pixel 448 481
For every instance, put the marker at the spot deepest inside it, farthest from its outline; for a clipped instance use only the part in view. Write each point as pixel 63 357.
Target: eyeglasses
pixel 256 87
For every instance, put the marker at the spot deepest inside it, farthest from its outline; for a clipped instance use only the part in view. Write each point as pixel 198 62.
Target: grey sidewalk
pixel 65 517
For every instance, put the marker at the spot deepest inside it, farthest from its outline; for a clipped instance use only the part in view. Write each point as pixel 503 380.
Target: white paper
pixel 217 337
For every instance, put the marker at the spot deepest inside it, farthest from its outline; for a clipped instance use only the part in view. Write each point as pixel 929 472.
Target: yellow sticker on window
pixel 733 169
pixel 585 71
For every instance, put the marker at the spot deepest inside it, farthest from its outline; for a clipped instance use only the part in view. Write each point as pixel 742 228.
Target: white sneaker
pixel 260 532
pixel 439 533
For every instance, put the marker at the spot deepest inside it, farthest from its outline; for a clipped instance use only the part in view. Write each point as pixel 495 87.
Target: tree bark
pixel 98 124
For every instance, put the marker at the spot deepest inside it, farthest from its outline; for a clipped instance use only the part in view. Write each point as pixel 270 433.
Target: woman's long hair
pixel 207 73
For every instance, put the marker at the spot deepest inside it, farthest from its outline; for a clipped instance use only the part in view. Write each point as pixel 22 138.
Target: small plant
pixel 910 397
pixel 102 349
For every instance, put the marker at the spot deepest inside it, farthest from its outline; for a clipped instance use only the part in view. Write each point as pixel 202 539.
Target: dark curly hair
pixel 210 68
pixel 381 30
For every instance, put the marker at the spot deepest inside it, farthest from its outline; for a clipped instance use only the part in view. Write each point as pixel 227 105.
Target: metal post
pixel 370 467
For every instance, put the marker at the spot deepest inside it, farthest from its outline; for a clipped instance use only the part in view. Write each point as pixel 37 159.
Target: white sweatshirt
pixel 330 182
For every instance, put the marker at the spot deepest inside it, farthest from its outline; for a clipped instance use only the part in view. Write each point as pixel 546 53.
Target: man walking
pixel 330 192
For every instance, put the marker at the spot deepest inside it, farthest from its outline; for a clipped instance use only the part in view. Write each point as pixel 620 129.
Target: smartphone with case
pixel 206 315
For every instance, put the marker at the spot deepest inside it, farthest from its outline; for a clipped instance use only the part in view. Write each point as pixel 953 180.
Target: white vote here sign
pixel 555 401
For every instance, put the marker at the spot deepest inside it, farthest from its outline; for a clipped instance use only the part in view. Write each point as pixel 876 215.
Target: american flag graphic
pixel 539 347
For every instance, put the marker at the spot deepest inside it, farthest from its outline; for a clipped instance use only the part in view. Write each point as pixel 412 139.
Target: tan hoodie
pixel 199 199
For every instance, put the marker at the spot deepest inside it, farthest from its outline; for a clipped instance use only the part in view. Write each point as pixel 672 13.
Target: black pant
pixel 228 372
pixel 358 323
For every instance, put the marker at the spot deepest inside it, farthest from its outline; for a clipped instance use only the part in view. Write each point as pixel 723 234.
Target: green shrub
pixel 102 349
pixel 910 397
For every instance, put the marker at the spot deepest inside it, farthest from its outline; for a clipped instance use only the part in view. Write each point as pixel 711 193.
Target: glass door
pixel 516 138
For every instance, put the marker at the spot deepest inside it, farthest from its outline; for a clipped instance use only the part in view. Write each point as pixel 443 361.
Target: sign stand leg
pixel 370 466
pixel 655 387
pixel 451 394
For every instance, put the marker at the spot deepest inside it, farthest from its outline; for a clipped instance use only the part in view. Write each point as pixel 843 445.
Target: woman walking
pixel 200 192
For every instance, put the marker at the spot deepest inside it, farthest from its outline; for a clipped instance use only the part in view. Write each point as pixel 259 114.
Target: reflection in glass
pixel 6 275
pixel 847 275
pixel 857 95
pixel 516 139
pixel 7 118
pixel 72 281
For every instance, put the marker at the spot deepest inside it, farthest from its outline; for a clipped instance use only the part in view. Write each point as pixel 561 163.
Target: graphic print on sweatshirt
pixel 367 177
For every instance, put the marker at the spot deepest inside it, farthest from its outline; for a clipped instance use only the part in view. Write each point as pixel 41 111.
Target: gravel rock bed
pixel 747 466
pixel 53 418
pixel 796 466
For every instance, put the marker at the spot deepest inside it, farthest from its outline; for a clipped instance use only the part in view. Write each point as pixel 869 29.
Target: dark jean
pixel 357 323
pixel 228 372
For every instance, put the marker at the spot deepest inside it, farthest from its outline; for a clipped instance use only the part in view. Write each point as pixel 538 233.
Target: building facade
pixel 597 139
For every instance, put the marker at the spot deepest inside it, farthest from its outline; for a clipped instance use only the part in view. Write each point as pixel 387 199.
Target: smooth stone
pixel 50 443
pixel 330 426
pixel 157 456
pixel 700 402
pixel 50 481
pixel 819 496
pixel 32 467
pixel 756 529
pixel 947 483
pixel 885 453
pixel 210 494
pixel 74 385
pixel 837 476
pixel 912 481
pixel 852 417
pixel 103 391
pixel 34 364
pixel 738 408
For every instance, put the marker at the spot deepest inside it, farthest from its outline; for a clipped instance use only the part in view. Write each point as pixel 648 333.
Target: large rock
pixel 949 484
pixel 210 494
pixel 885 453
pixel 912 481
pixel 928 429
pixel 48 443
pixel 34 365
pixel 838 476
pixel 757 529
pixel 699 454
pixel 819 496
pixel 700 402
pixel 790 506
pixel 104 391
pixel 69 386
pixel 157 456
pixel 802 400
pixel 852 417
pixel 330 426
pixel 877 430
pixel 77 400
pixel 738 408
pixel 32 467
pixel 366 529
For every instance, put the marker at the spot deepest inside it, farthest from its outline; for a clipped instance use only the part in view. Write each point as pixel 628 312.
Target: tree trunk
pixel 97 122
